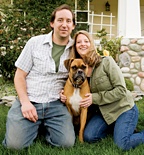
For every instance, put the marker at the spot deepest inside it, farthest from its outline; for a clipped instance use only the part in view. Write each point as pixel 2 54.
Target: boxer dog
pixel 75 89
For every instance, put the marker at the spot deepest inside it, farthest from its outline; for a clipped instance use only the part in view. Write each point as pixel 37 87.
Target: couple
pixel 40 77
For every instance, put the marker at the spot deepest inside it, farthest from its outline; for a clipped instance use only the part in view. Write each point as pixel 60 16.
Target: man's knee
pixel 13 144
pixel 67 141
pixel 63 141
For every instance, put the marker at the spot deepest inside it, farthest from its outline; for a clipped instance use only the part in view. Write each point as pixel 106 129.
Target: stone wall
pixel 131 61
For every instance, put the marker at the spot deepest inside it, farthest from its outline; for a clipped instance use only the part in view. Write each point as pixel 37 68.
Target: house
pixel 120 18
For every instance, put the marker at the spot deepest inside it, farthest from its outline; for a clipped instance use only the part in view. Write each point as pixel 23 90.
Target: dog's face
pixel 77 70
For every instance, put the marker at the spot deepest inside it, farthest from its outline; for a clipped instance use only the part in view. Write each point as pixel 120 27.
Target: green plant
pixel 111 45
pixel 129 84
pixel 15 30
pixel 18 23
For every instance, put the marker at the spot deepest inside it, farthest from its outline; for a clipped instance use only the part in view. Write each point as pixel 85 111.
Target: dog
pixel 75 89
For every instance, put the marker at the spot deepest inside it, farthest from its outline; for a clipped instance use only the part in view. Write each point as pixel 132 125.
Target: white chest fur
pixel 75 99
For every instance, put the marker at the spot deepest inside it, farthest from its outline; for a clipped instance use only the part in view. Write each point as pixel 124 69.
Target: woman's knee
pixel 88 137
pixel 123 143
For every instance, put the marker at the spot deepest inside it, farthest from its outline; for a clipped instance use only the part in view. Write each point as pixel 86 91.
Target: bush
pixel 15 34
pixel 111 45
pixel 20 22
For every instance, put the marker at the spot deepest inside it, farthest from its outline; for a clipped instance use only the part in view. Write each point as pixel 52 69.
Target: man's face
pixel 63 24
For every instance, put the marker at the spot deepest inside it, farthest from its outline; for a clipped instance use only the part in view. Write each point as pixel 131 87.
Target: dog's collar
pixel 75 85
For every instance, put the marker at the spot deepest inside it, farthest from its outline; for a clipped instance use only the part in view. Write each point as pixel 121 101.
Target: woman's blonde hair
pixel 91 58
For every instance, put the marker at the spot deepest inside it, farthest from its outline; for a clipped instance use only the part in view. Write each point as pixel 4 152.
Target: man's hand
pixel 62 96
pixel 29 112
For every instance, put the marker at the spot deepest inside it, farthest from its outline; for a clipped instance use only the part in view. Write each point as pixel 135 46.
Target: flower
pixel 3 53
pixel 11 47
pixel 3 48
pixel 105 52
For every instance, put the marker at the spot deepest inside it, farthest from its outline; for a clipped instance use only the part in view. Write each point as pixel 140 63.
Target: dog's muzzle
pixel 79 77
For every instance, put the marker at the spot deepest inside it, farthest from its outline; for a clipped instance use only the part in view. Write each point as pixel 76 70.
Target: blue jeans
pixel 21 132
pixel 123 129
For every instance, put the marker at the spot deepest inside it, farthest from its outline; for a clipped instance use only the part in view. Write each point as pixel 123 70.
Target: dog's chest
pixel 75 99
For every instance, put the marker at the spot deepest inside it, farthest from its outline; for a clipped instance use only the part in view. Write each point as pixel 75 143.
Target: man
pixel 39 78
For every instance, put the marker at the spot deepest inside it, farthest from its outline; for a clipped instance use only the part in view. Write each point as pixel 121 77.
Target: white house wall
pixel 129 22
pixel 98 6
pixel 129 18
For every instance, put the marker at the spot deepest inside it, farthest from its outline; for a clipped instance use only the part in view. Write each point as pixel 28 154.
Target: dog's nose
pixel 80 71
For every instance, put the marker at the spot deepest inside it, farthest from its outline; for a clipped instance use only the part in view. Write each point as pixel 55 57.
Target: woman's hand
pixel 62 96
pixel 86 102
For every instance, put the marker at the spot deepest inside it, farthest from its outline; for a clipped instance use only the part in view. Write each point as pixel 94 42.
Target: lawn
pixel 40 147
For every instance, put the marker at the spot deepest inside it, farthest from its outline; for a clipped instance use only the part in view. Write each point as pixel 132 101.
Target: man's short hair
pixel 61 7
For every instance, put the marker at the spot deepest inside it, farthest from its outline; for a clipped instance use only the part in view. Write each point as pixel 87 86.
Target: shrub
pixel 20 22
pixel 15 31
pixel 111 45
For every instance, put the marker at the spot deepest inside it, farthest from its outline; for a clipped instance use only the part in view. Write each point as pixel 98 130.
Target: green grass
pixel 40 147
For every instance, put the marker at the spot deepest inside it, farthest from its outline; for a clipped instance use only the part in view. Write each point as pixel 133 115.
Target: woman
pixel 115 106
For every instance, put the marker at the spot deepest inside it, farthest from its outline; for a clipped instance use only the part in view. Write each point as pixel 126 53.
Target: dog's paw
pixel 81 138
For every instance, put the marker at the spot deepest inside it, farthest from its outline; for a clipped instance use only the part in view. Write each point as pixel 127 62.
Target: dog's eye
pixel 83 67
pixel 74 67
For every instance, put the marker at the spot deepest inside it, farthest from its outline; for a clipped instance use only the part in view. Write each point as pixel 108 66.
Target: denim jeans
pixel 123 129
pixel 21 132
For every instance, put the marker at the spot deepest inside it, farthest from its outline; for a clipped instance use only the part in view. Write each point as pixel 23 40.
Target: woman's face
pixel 82 45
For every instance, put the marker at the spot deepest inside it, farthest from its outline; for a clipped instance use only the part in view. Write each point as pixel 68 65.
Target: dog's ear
pixel 67 63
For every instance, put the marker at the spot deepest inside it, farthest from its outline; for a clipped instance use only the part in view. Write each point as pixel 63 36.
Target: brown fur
pixel 76 66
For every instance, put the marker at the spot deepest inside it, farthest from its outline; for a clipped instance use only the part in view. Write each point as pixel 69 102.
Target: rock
pixel 142 64
pixel 8 100
pixel 141 74
pixel 125 59
pixel 141 53
pixel 125 69
pixel 142 85
pixel 138 80
pixel 137 65
pixel 132 65
pixel 135 47
pixel 132 53
pixel 125 41
pixel 126 75
pixel 133 41
pixel 135 58
pixel 143 47
pixel 124 48
pixel 140 41
pixel 9 104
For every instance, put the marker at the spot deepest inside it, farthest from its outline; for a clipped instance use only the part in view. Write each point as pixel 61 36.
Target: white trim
pixel 90 20
pixel 129 24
